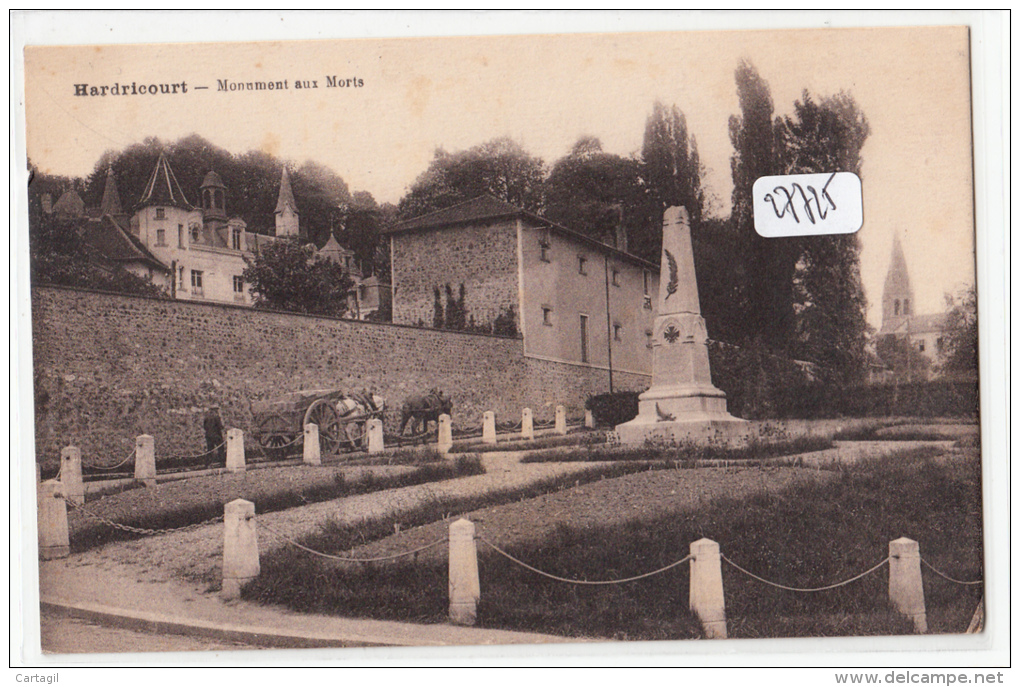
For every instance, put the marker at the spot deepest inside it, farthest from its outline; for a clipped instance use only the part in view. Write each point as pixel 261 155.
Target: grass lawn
pixel 186 502
pixel 810 534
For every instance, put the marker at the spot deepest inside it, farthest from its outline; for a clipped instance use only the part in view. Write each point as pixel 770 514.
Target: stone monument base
pixel 678 414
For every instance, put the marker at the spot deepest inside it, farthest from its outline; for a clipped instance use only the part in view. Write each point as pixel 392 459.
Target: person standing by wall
pixel 212 424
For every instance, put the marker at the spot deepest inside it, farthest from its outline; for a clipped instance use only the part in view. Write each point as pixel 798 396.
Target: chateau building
pixel 197 252
pixel 575 300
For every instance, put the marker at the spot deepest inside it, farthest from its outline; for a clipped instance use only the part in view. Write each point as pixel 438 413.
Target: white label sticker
pixel 808 204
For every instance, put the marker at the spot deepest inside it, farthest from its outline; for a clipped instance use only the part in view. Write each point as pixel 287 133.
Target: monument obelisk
pixel 681 403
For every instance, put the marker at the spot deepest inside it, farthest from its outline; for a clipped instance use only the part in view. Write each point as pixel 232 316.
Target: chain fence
pixel 806 589
pixel 346 559
pixel 110 468
pixel 581 582
pixel 947 577
pixel 138 530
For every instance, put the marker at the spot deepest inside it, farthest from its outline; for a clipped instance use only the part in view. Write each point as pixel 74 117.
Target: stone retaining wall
pixel 110 367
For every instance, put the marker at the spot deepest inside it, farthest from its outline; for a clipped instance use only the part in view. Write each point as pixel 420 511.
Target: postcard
pixel 528 339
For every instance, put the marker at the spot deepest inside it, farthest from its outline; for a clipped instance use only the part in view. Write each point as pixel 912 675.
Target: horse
pixel 420 410
pixel 355 410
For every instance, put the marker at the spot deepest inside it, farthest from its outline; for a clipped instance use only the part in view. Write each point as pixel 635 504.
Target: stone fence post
pixel 589 419
pixel 489 427
pixel 706 594
pixel 54 541
pixel 445 440
pixel 561 420
pixel 906 593
pixel 311 446
pixel 235 450
pixel 145 460
pixel 463 560
pixel 240 547
pixel 376 443
pixel 527 425
pixel 70 473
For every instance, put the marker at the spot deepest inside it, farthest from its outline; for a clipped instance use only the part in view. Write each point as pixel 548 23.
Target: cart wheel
pixel 275 436
pixel 323 414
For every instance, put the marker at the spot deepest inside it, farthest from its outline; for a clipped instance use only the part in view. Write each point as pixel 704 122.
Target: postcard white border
pixel 989 33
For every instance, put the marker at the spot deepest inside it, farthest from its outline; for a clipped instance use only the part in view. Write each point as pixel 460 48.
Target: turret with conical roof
pixel 897 296
pixel 110 204
pixel 162 188
pixel 286 209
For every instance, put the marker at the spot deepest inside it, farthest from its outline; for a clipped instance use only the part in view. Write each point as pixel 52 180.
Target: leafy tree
pixel 438 315
pixel 671 171
pixel 592 192
pixel 500 167
pixel 829 302
pixel 252 180
pixel 958 349
pixel 906 362
pixel 287 275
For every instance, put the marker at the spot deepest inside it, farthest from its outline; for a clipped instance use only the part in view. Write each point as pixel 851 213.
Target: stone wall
pixel 482 257
pixel 552 383
pixel 110 367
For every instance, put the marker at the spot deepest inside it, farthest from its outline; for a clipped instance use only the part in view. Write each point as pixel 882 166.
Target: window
pixel 196 282
pixel 161 237
pixel 180 236
pixel 547 315
pixel 194 233
pixel 238 285
pixel 648 301
pixel 906 306
pixel 543 243
pixel 616 277
pixel 648 338
pixel 160 213
pixel 896 307
pixel 582 264
pixel 180 280
pixel 235 239
pixel 645 280
pixel 617 332
pixel 584 338
pixel 920 346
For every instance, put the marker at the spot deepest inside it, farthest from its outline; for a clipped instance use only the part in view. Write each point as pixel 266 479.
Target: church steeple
pixel 286 209
pixel 897 296
pixel 110 204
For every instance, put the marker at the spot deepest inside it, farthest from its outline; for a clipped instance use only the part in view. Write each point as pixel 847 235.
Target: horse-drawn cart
pixel 342 420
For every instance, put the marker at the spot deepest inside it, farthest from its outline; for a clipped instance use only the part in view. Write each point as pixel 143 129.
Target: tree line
pixel 799 298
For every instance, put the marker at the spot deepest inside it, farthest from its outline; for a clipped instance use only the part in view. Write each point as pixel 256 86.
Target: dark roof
pixel 163 189
pixel 915 324
pixel 489 208
pixel 69 203
pixel 119 244
pixel 110 204
pixel 213 179
pixel 286 198
pixel 919 324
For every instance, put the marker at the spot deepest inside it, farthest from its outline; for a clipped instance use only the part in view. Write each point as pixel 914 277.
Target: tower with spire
pixel 897 295
pixel 286 209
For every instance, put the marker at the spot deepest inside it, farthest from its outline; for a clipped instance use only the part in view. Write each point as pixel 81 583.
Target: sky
pixel 545 91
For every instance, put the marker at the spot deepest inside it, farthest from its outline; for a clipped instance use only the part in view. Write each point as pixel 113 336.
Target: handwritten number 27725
pixel 813 201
